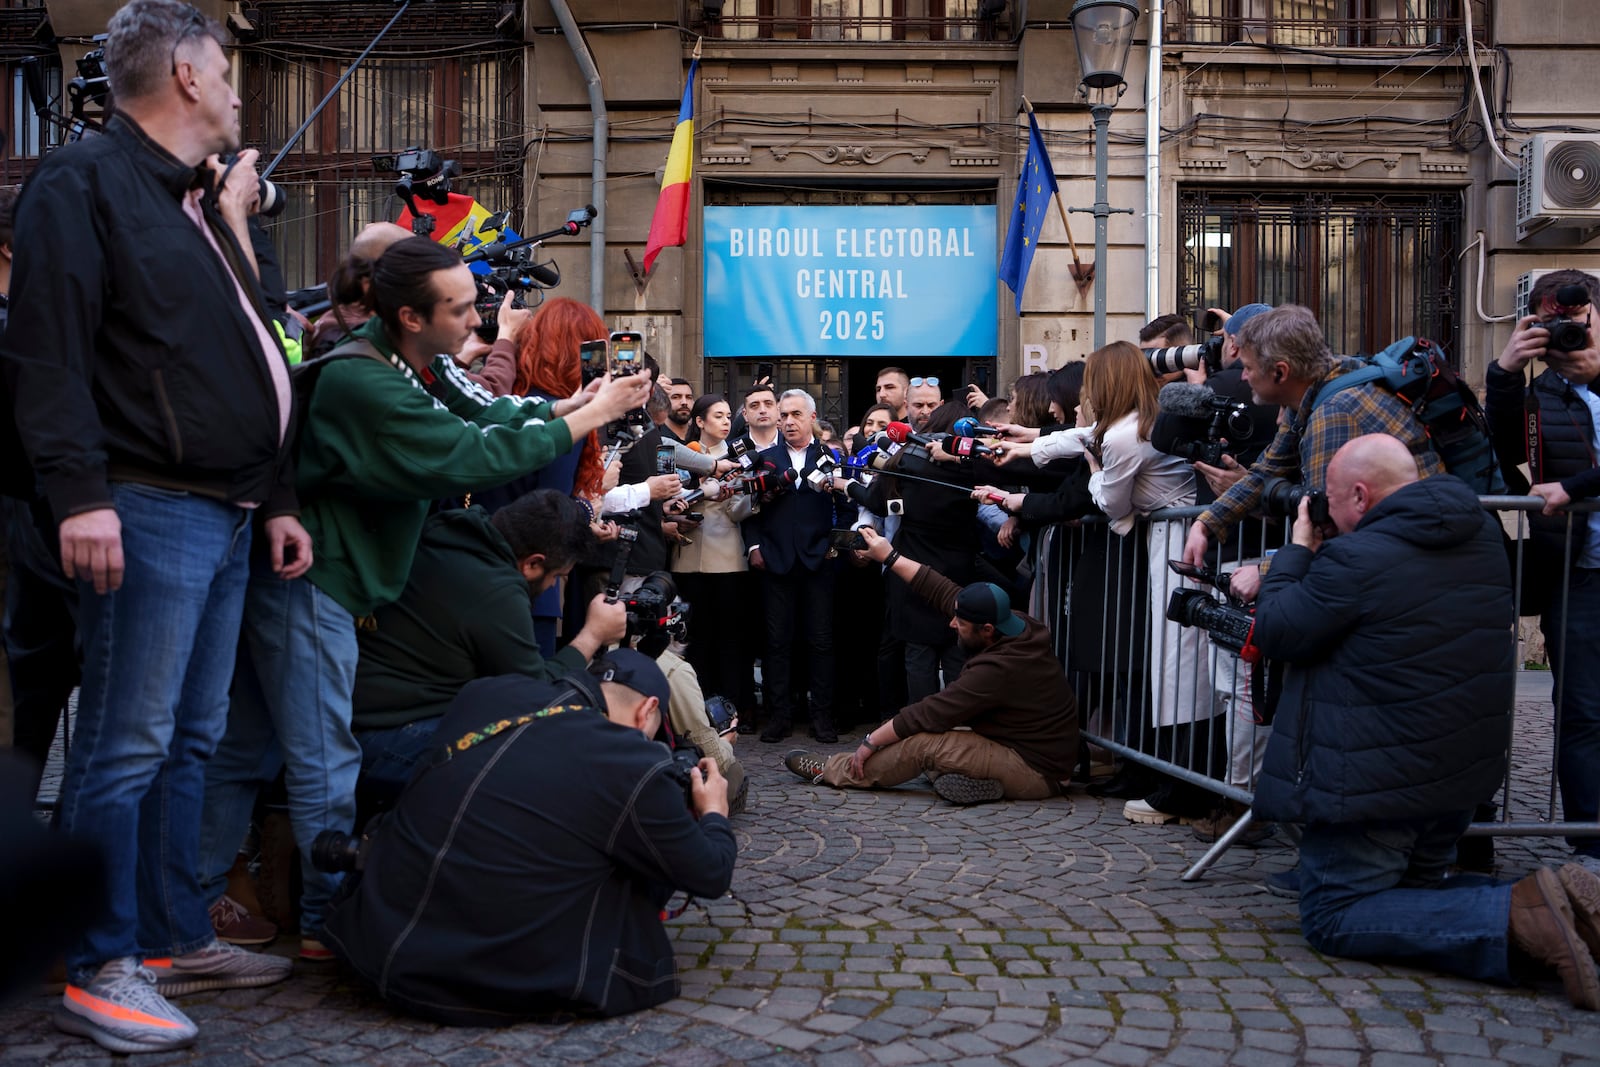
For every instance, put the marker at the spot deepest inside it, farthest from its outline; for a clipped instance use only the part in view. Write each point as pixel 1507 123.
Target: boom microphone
pixel 1186 398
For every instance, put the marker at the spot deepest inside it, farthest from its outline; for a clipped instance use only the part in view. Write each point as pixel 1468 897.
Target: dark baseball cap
pixel 635 670
pixel 1237 320
pixel 985 602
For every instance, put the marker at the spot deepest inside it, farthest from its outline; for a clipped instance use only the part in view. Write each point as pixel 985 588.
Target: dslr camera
pixel 1566 334
pixel 654 607
pixel 1188 357
pixel 1280 499
pixel 1229 623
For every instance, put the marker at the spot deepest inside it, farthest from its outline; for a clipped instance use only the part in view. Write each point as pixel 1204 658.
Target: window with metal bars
pixel 454 87
pixel 1373 267
pixel 859 20
pixel 1318 23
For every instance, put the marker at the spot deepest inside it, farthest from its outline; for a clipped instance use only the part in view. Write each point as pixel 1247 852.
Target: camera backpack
pixel 1415 370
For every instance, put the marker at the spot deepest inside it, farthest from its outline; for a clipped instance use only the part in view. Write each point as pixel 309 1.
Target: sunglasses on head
pixel 924 381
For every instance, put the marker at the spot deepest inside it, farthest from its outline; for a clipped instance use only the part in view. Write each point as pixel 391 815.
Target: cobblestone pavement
pixel 890 928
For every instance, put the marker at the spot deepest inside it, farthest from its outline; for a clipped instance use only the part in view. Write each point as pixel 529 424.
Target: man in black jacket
pixel 153 399
pixel 524 870
pixel 1552 427
pixel 1393 727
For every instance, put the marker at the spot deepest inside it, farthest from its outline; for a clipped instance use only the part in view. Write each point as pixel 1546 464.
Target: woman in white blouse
pixel 1130 478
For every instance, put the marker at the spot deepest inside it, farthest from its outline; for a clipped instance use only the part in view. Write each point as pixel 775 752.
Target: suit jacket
pixel 792 528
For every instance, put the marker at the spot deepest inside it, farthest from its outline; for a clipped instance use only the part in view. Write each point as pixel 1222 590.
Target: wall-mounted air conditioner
pixel 1559 184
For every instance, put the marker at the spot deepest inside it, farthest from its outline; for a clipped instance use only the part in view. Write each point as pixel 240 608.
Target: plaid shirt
pixel 1307 441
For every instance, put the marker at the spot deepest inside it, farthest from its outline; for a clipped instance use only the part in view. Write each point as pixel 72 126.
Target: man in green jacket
pixel 464 615
pixel 385 432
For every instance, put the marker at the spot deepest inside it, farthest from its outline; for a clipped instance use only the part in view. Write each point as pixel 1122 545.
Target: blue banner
pixel 894 281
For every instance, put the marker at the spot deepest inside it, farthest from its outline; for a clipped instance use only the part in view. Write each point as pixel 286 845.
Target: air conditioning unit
pixel 1559 184
pixel 1525 284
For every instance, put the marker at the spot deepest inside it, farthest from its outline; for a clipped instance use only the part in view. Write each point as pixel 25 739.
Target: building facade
pixel 1336 153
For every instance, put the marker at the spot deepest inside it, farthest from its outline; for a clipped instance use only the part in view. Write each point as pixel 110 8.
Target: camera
pixel 1188 357
pixel 1280 498
pixel 91 85
pixel 1229 625
pixel 1566 334
pixel 1199 425
pixel 336 852
pixel 423 173
pixel 723 715
pixel 654 607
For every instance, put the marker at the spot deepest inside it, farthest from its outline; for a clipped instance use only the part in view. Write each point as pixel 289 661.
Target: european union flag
pixel 1034 189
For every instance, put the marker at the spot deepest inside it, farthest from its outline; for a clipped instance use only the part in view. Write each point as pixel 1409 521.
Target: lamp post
pixel 1103 32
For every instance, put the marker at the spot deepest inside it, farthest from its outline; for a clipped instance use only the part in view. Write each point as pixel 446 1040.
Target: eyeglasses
pixel 195 25
pixel 924 381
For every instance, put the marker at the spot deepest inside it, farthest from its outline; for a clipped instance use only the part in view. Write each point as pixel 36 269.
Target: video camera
pixel 423 173
pixel 1566 334
pixel 1188 357
pixel 1198 425
pixel 91 85
pixel 653 608
pixel 1280 498
pixel 1229 623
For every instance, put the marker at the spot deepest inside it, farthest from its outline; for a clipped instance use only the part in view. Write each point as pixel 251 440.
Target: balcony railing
pixel 1317 23
pixel 863 20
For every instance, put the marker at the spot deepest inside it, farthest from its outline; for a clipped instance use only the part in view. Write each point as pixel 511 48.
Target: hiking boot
pixel 119 1009
pixel 235 925
pixel 1583 893
pixel 1211 828
pixel 1541 926
pixel 1142 811
pixel 959 789
pixel 217 966
pixel 804 765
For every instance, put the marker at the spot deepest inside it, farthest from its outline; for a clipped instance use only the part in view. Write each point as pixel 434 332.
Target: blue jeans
pixel 1577 695
pixel 291 710
pixel 388 757
pixel 1377 890
pixel 157 657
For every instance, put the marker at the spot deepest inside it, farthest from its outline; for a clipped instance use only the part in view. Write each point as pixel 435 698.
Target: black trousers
pixel 721 648
pixel 799 602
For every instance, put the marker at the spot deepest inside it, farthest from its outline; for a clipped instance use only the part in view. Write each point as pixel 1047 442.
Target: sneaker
pixel 120 1009
pixel 959 789
pixel 314 951
pixel 804 765
pixel 1285 884
pixel 1541 926
pixel 1213 827
pixel 1142 811
pixel 1583 893
pixel 235 925
pixel 217 966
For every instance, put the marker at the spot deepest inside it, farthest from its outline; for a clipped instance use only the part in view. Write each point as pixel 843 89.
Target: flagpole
pixel 1079 275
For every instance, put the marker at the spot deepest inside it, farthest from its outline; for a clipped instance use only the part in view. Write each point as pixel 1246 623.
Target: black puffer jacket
pixel 1398 637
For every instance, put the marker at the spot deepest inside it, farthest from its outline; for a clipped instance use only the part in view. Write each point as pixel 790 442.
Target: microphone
pixel 33 81
pixel 901 432
pixel 967 426
pixel 743 451
pixel 966 448
pixel 694 461
pixel 1186 398
pixel 546 274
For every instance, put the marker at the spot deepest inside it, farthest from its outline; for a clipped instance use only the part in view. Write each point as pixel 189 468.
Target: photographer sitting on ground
pixel 464 614
pixel 547 808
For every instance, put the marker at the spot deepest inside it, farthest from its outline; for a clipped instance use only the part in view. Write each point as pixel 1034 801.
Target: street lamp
pixel 1103 32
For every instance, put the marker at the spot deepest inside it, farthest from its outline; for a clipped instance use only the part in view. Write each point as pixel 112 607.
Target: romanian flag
pixel 1035 186
pixel 669 226
pixel 455 223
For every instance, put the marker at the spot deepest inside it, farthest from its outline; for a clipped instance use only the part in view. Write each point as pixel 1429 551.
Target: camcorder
pixel 1280 498
pixel 423 173
pixel 653 609
pixel 1199 425
pixel 510 272
pixel 1566 333
pixel 1229 623
pixel 1188 357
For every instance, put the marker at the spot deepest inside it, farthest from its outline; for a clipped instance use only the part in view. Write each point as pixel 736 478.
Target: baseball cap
pixel 983 602
pixel 1237 320
pixel 632 668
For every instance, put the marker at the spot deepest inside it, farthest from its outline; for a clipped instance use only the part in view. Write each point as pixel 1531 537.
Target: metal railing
pixel 1165 698
pixel 1317 23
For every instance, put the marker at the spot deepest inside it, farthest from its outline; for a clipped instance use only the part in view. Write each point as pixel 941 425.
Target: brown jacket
pixel 1014 692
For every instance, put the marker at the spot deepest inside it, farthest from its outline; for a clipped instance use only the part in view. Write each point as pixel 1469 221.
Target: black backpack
pixel 1415 370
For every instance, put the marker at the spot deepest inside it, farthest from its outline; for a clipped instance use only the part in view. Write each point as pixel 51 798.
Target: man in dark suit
pixel 787 541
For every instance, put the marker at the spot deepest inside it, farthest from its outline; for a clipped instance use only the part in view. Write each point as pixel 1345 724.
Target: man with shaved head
pixel 1392 726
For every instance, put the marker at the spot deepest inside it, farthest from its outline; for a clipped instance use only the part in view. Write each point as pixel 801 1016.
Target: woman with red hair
pixel 548 364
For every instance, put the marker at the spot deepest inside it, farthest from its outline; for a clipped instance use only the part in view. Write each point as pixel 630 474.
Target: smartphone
pixel 592 359
pixel 843 539
pixel 980 377
pixel 764 370
pixel 1211 323
pixel 624 352
pixel 666 459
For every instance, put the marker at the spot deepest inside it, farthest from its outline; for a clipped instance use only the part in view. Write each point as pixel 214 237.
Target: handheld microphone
pixel 901 432
pixel 1186 398
pixel 743 450
pixel 966 448
pixel 693 460
pixel 968 426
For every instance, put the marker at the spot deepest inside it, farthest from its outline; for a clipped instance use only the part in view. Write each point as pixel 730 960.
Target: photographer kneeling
pixel 524 868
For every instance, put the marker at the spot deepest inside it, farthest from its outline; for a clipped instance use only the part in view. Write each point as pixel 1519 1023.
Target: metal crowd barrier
pixel 1169 699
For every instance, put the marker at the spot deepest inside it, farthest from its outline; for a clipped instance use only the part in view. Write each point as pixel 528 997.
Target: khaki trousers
pixel 955 752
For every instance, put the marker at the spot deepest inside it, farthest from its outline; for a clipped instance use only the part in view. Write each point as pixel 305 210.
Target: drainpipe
pixel 1152 169
pixel 602 135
